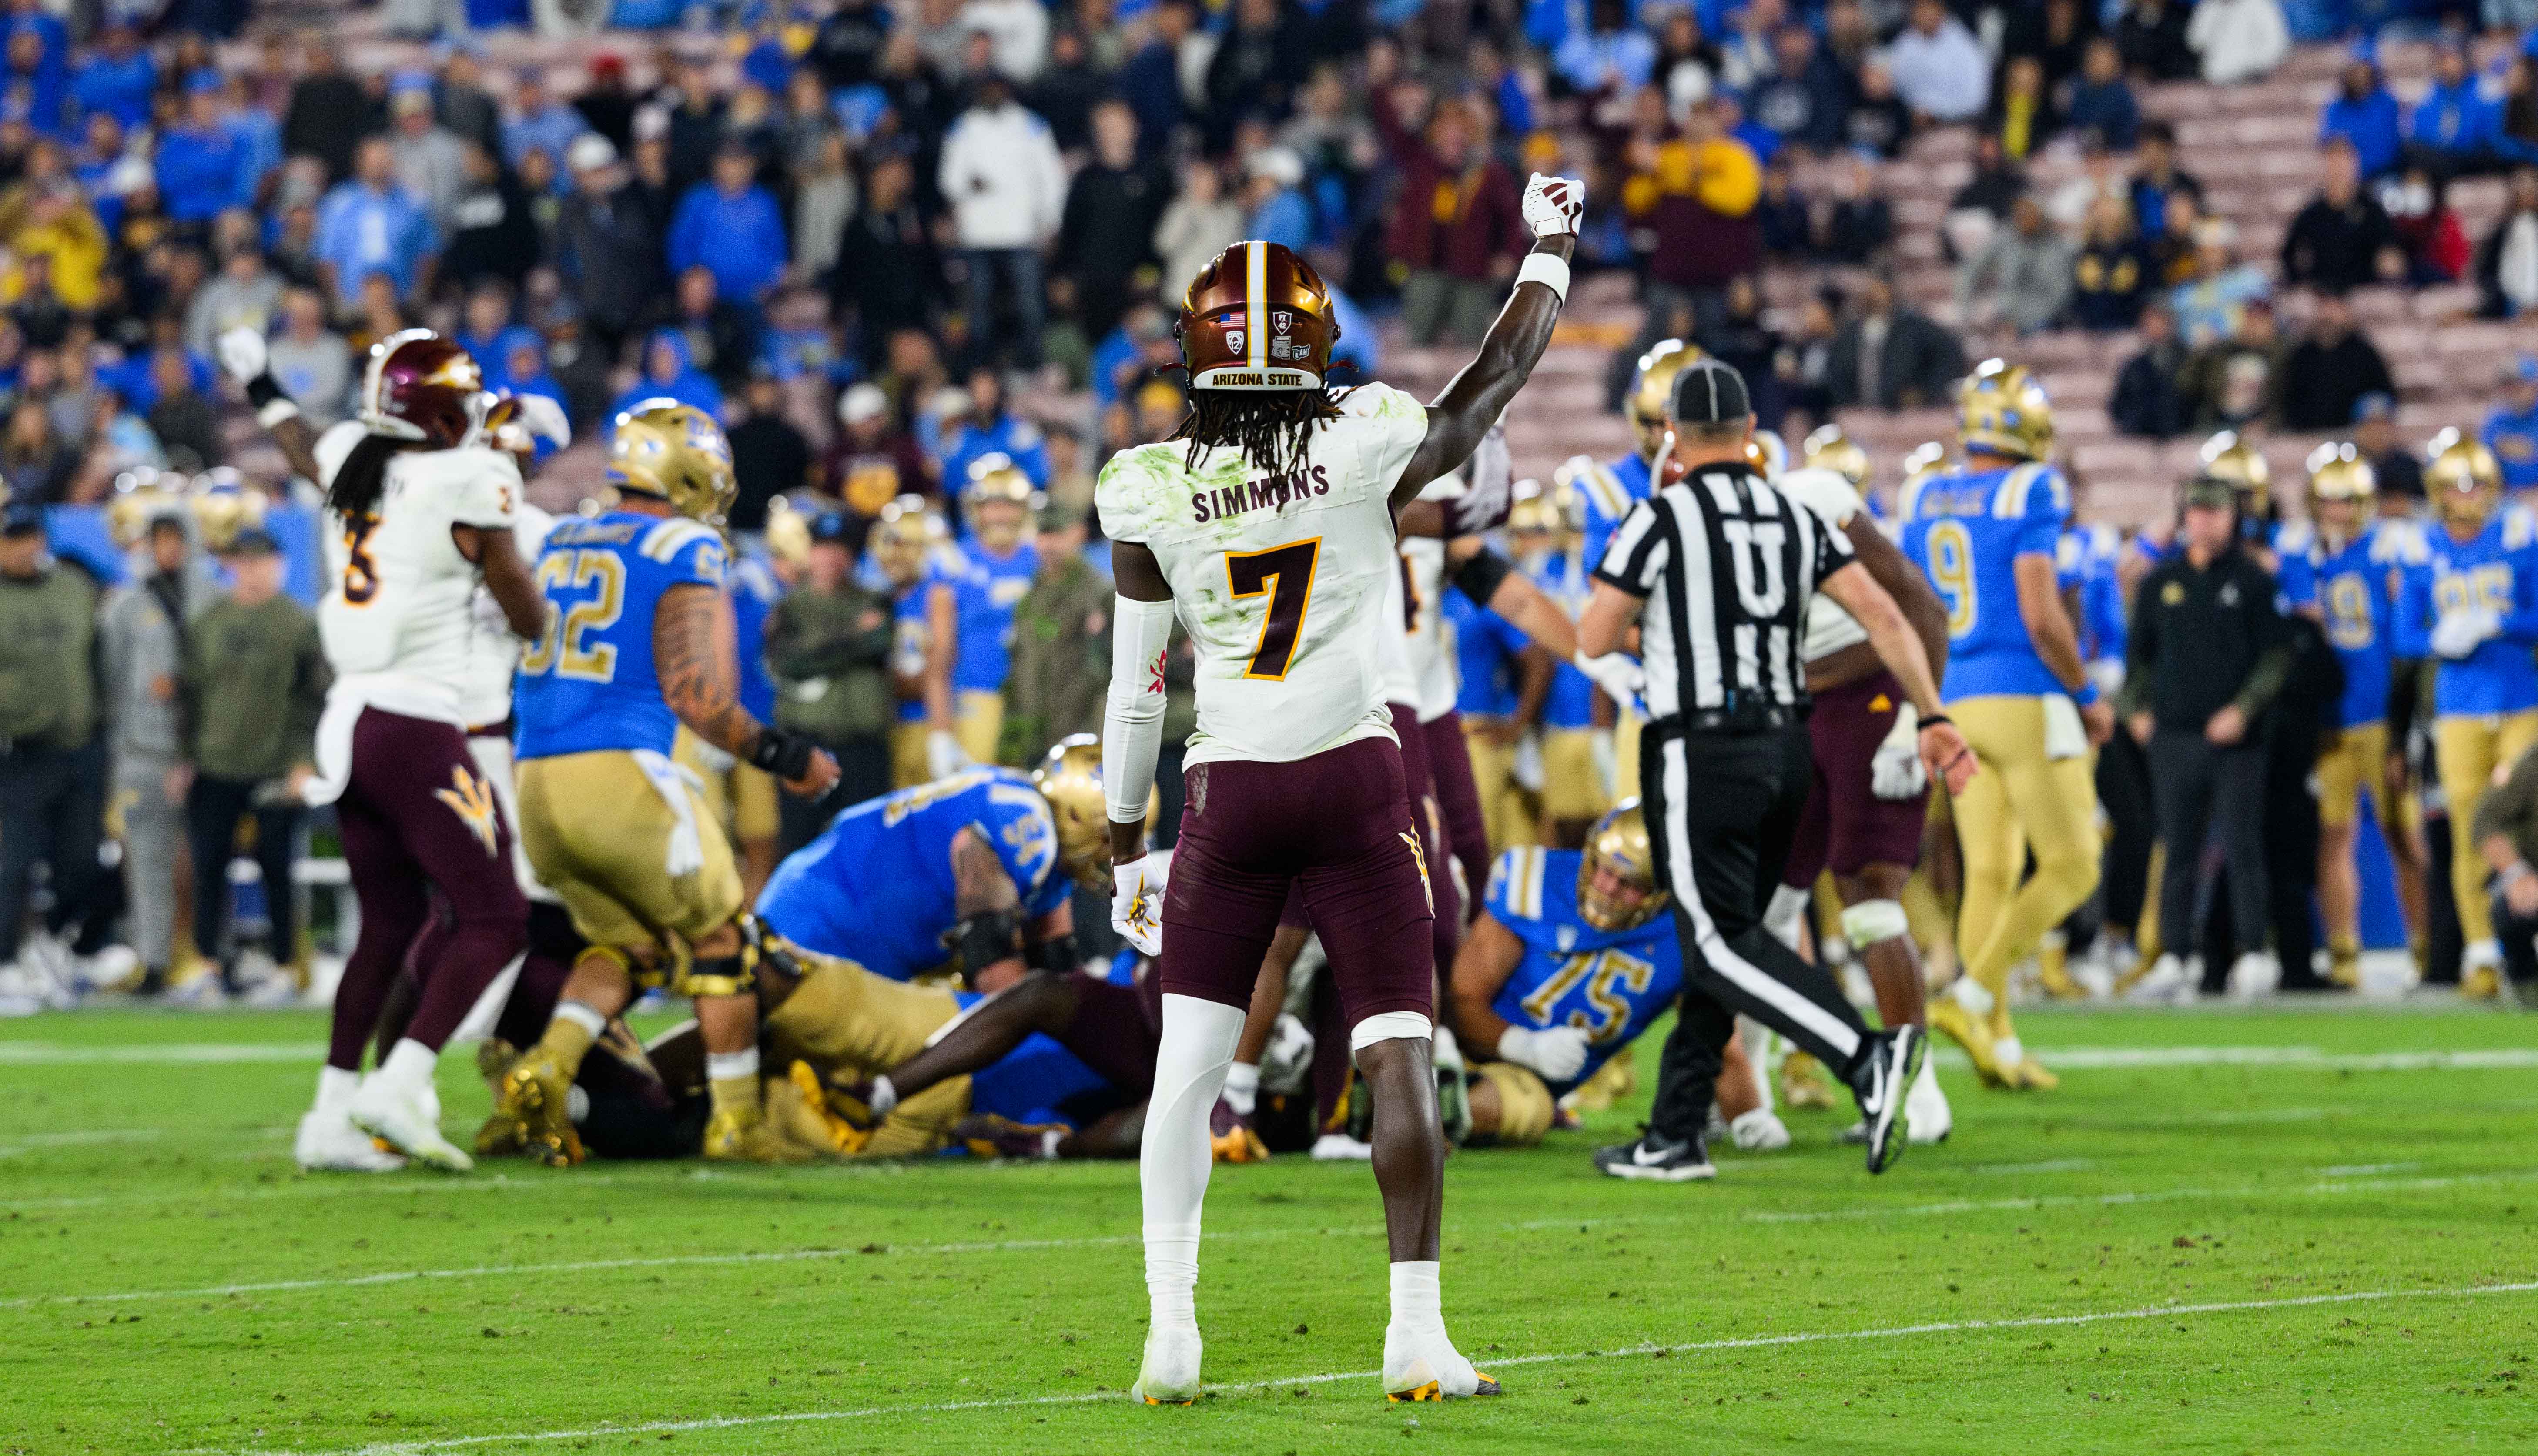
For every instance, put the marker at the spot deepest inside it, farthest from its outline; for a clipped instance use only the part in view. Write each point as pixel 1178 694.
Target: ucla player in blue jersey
pixel 2472 603
pixel 1544 529
pixel 1608 491
pixel 971 607
pixel 1987 535
pixel 1488 697
pixel 899 564
pixel 2343 569
pixel 743 798
pixel 638 640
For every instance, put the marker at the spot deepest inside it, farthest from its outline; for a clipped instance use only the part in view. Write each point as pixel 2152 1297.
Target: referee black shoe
pixel 1881 1081
pixel 1657 1159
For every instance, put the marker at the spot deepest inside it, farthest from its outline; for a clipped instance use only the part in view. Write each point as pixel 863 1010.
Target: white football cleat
pixel 2254 974
pixel 1759 1131
pixel 271 993
pixel 2166 981
pixel 1341 1147
pixel 18 994
pixel 1169 1374
pixel 115 968
pixel 407 1120
pixel 328 1143
pixel 1425 1365
pixel 1928 1108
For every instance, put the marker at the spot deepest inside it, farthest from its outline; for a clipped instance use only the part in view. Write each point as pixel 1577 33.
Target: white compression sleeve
pixel 1174 1159
pixel 1132 722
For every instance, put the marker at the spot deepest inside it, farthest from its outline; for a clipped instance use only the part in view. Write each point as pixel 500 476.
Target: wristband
pixel 2086 694
pixel 1058 952
pixel 1548 268
pixel 1933 720
pixel 787 755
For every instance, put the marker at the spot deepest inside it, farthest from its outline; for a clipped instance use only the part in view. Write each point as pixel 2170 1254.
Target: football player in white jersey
pixel 1267 524
pixel 420 511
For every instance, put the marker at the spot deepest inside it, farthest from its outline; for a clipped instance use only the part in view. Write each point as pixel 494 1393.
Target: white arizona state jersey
pixel 1835 501
pixel 396 619
pixel 494 655
pixel 1423 644
pixel 1280 580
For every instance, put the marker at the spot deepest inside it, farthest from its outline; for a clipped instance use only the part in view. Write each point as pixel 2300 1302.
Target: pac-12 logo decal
pixel 472 800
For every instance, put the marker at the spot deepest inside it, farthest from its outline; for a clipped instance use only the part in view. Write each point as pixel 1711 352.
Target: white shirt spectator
pixel 1941 73
pixel 1016 29
pixel 1004 178
pixel 2239 40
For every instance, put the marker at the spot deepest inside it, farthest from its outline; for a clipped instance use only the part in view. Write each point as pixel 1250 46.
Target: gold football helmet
pixel 1070 779
pixel 1831 450
pixel 223 504
pixel 676 453
pixel 1768 454
pixel 1553 510
pixel 2002 409
pixel 2464 478
pixel 141 497
pixel 1618 844
pixel 1652 390
pixel 1923 461
pixel 788 533
pixel 902 537
pixel 2227 457
pixel 994 478
pixel 2337 472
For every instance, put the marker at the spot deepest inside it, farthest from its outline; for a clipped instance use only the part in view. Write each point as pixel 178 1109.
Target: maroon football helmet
pixel 1258 317
pixel 421 386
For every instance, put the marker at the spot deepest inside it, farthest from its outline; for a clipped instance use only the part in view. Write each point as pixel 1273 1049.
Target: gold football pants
pixel 2473 749
pixel 2020 801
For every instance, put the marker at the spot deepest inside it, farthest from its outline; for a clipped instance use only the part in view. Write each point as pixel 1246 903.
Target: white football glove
pixel 1553 205
pixel 1894 771
pixel 1137 904
pixel 943 755
pixel 243 356
pixel 1617 674
pixel 1558 1053
pixel 542 418
pixel 2458 633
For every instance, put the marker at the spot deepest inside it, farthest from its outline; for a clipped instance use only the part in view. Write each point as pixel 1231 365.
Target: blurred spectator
pixel 330 113
pixel 2057 32
pixel 119 77
pixel 1275 209
pixel 2022 278
pixel 731 227
pixel 2331 369
pixel 542 123
pixel 2102 106
pixel 1130 353
pixel 187 425
pixel 606 246
pixel 245 295
pixel 2022 116
pixel 2452 128
pixel 669 371
pixel 254 683
pixel 1455 230
pixel 1061 669
pixel 2239 40
pixel 204 168
pixel 1151 81
pixel 2151 34
pixel 1859 224
pixel 1067 90
pixel 2147 402
pixel 872 462
pixel 1259 57
pixel 1610 55
pixel 52 760
pixel 1006 184
pixel 607 103
pixel 722 336
pixel 769 456
pixel 1888 357
pixel 1878 120
pixel 888 274
pixel 368 225
pixel 37 465
pixel 2511 429
pixel 59 245
pixel 1017 32
pixel 1106 241
pixel 2365 115
pixel 459 100
pixel 311 362
pixel 2343 238
pixel 824 204
pixel 1983 202
pixel 2428 235
pixel 2111 275
pixel 1200 223
pixel 2156 178
pixel 1803 101
pixel 1783 221
pixel 845 50
pixel 430 160
pixel 1746 56
pixel 2397 469
pixel 2208 303
pixel 492 234
pixel 1687 64
pixel 2236 380
pixel 1695 195
pixel 1940 69
pixel 2507 261
pixel 1804 368
pixel 2516 134
pixel 988 428
pixel 829 645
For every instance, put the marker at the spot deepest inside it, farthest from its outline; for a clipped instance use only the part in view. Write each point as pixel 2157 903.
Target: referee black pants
pixel 1721 809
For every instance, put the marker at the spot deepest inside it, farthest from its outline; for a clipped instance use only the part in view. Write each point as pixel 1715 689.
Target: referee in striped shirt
pixel 1715 568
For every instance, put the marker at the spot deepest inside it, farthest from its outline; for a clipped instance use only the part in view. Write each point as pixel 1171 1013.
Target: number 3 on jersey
pixel 1951 572
pixel 574 570
pixel 1286 573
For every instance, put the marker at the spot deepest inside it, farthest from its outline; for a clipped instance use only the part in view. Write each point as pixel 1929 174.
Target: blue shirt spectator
pixel 205 168
pixel 732 226
pixel 2512 429
pixel 671 372
pixel 545 125
pixel 118 79
pixel 368 226
pixel 2101 101
pixel 1611 54
pixel 2455 118
pixel 1279 212
pixel 2365 115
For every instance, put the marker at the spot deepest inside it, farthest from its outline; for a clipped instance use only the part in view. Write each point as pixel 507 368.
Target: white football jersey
pixel 1430 656
pixel 397 620
pixel 1835 501
pixel 494 655
pixel 1282 581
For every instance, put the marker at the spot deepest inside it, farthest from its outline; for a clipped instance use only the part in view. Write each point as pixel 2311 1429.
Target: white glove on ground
pixel 1558 1053
pixel 2458 633
pixel 1137 904
pixel 1553 205
pixel 1894 770
pixel 943 755
pixel 243 354
pixel 1619 674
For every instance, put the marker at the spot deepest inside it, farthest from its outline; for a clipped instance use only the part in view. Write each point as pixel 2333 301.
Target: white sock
pixel 2008 1051
pixel 1929 1076
pixel 335 1088
pixel 1173 1161
pixel 1243 1087
pixel 723 1066
pixel 581 1015
pixel 883 1096
pixel 408 1065
pixel 1416 1301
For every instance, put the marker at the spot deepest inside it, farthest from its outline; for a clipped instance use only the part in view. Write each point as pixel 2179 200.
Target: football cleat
pixel 742 1135
pixel 328 1143
pixel 1927 1107
pixel 2166 981
pixel 1168 1375
pixel 408 1121
pixel 2344 969
pixel 1230 1138
pixel 534 1099
pixel 1803 1083
pixel 1959 1026
pixel 1657 1159
pixel 2030 1076
pixel 2480 983
pixel 2053 970
pixel 990 1136
pixel 1615 1079
pixel 1341 1147
pixel 1884 1076
pixel 1425 1365
pixel 801 1108
pixel 1759 1131
pixel 1454 1103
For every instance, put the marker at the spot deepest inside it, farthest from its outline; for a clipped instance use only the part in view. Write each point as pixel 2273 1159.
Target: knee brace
pixel 1870 921
pixel 1787 910
pixel 1387 1025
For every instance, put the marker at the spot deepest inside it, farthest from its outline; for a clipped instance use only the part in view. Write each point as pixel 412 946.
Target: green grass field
pixel 2262 1230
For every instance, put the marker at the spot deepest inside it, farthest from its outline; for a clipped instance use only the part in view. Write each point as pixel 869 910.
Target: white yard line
pixel 1693 1347
pixel 2349 1182
pixel 68 1054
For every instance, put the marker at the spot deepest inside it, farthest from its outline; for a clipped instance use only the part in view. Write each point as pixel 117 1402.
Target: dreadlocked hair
pixel 1271 429
pixel 364 476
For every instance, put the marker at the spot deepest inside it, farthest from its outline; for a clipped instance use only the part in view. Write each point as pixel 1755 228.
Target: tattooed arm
pixel 696 651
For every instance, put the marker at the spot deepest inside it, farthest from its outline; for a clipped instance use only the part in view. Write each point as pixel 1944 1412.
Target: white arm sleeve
pixel 1132 722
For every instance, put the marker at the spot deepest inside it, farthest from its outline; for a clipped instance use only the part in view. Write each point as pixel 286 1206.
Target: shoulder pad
pixel 2294 537
pixel 1374 400
pixel 1834 500
pixel 672 535
pixel 1601 488
pixel 2520 527
pixel 1516 883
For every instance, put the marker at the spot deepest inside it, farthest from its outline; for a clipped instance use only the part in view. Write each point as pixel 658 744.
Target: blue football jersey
pixel 1571 704
pixel 908 634
pixel 2089 560
pixel 1611 984
pixel 876 886
pixel 2498 570
pixel 1610 491
pixel 754 591
pixel 984 592
pixel 1966 531
pixel 2354 591
pixel 1488 650
pixel 588 684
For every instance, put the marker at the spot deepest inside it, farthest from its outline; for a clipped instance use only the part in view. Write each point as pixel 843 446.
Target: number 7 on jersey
pixel 1286 573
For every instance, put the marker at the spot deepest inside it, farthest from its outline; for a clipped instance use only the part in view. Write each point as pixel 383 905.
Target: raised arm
pixel 245 359
pixel 1475 398
pixel 696 651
